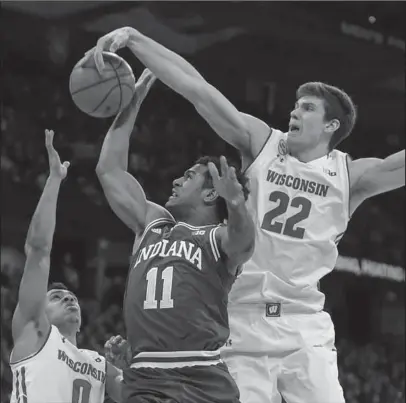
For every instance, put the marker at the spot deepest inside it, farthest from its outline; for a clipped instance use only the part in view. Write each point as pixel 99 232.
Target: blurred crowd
pixel 167 137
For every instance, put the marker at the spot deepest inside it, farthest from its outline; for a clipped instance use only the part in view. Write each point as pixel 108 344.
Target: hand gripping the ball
pixel 56 168
pixel 110 42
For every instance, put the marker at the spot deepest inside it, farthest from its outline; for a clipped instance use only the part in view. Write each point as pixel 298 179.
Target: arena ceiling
pixel 291 32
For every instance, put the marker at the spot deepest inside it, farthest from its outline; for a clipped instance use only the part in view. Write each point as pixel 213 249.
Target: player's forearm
pixel 394 162
pixel 240 228
pixel 42 226
pixel 172 69
pixel 114 153
pixel 116 144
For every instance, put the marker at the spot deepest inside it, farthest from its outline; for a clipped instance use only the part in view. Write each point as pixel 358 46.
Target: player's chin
pixel 172 201
pixel 294 140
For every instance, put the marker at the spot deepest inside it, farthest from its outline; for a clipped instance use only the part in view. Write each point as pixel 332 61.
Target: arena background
pixel 257 53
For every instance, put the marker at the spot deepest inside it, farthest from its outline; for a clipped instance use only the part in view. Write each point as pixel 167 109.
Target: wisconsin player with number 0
pixel 303 193
pixel 46 363
pixel 185 261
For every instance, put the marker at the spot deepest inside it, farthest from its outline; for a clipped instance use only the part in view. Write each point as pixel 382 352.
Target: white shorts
pixel 290 356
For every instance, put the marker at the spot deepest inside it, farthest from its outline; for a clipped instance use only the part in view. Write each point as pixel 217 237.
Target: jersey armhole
pixel 347 159
pixel 245 171
pixel 33 354
pixel 138 240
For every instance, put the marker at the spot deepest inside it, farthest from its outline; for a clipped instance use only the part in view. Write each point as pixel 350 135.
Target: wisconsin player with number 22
pixel 46 363
pixel 303 194
pixel 184 263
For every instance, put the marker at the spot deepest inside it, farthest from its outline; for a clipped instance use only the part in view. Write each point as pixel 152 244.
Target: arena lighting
pixel 371 19
pixel 369 268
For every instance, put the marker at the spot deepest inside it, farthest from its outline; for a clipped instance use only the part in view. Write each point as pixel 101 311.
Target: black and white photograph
pixel 202 201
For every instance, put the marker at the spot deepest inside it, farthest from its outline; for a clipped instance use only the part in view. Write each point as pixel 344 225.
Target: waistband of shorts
pixel 272 309
pixel 175 359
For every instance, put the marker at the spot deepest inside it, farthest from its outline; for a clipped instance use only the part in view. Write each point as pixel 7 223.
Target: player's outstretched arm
pixel 237 239
pixel 118 356
pixel 34 282
pixel 245 132
pixel 114 382
pixel 372 176
pixel 123 192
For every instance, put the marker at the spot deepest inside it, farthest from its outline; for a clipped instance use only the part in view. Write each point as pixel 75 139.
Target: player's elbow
pixel 37 245
pixel 102 168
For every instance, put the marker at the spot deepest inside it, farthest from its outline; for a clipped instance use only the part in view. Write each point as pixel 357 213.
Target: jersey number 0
pixel 270 223
pixel 81 391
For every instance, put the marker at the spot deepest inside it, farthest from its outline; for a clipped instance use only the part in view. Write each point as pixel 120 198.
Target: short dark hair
pixel 57 286
pixel 337 104
pixel 242 179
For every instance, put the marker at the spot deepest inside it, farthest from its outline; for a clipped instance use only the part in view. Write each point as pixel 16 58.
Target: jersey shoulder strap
pixel 274 146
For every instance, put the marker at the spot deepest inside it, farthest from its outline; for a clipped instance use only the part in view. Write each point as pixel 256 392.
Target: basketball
pixel 105 95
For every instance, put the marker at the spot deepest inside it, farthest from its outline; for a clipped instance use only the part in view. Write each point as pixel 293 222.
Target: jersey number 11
pixel 166 300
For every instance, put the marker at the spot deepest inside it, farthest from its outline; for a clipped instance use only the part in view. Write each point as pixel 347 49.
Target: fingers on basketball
pixel 98 55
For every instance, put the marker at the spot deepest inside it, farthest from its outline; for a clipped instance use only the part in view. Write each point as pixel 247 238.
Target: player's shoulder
pixel 157 226
pixel 93 355
pixel 274 144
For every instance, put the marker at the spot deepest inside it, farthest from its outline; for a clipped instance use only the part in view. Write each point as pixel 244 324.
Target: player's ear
pixel 210 196
pixel 333 125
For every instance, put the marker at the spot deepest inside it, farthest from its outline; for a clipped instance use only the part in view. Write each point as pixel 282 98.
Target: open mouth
pixel 174 195
pixel 293 128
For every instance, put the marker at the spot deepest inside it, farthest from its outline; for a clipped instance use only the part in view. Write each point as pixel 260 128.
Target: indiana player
pixel 184 263
pixel 303 193
pixel 46 363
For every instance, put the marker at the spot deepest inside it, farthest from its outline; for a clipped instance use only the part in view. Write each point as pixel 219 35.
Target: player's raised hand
pixel 110 42
pixel 118 352
pixel 143 85
pixel 56 168
pixel 226 185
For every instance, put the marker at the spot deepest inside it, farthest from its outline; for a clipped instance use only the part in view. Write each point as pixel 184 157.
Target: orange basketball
pixel 105 95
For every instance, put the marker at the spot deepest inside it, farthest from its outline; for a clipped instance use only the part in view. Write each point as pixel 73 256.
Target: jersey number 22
pixel 270 223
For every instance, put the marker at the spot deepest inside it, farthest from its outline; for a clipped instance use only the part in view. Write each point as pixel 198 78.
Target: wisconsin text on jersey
pixel 82 367
pixel 297 183
pixel 183 249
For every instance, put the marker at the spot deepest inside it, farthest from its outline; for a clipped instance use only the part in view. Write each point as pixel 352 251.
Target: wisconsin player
pixel 303 193
pixel 184 263
pixel 46 363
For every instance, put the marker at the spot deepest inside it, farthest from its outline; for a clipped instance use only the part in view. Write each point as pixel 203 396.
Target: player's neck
pixel 199 218
pixel 69 334
pixel 310 154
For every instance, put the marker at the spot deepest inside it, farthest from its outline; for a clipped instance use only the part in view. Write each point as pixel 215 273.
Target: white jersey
pixel 59 373
pixel 301 211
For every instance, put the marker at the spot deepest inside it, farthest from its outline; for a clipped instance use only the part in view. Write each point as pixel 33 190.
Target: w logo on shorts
pixel 273 309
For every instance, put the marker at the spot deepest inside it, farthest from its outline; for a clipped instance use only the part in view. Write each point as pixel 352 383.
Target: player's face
pixel 188 190
pixel 62 308
pixel 307 126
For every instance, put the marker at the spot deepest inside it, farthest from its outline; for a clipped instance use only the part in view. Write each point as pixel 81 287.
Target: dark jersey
pixel 177 290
